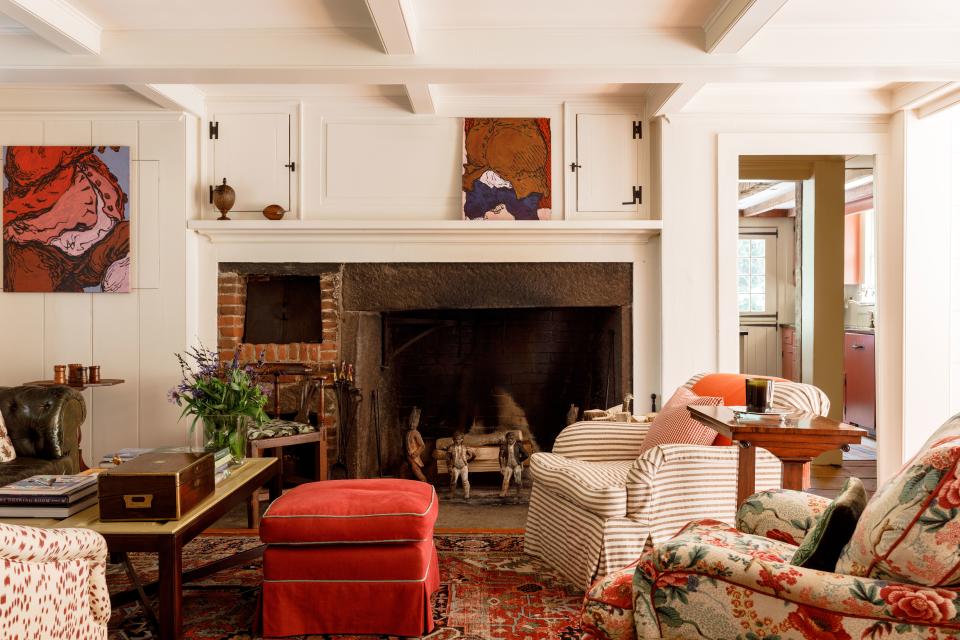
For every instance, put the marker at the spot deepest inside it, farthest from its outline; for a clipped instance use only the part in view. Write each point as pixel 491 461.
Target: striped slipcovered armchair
pixel 596 503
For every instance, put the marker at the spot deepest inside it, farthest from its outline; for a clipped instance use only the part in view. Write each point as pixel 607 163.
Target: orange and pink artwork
pixel 66 219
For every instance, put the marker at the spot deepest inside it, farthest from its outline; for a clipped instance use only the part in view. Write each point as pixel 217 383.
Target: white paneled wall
pixel 131 336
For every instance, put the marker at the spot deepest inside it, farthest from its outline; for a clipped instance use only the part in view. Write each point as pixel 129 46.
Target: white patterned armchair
pixel 53 584
pixel 596 503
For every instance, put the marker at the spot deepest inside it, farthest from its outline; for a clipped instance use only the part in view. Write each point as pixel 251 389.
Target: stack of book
pixel 48 496
pixel 221 465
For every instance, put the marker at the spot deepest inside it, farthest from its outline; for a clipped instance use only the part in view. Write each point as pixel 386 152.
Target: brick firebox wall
pixel 231 314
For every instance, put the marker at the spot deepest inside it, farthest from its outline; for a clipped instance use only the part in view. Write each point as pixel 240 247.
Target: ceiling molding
pixel 925 98
pixel 421 98
pixel 736 22
pixel 913 95
pixel 174 97
pixel 670 99
pixel 619 57
pixel 393 20
pixel 57 22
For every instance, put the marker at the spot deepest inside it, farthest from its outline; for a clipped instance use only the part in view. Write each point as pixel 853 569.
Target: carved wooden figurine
pixel 459 456
pixel 413 445
pixel 512 455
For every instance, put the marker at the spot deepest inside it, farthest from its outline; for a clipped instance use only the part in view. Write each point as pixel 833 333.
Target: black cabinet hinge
pixel 214 130
pixel 292 166
pixel 637 196
pixel 211 194
pixel 638 129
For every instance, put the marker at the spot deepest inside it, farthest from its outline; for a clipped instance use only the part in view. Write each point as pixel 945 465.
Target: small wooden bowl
pixel 273 212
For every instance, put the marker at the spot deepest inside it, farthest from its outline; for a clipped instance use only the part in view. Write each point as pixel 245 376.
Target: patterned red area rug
pixel 489 590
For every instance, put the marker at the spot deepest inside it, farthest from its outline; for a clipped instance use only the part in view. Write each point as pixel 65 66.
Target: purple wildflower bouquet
pixel 224 396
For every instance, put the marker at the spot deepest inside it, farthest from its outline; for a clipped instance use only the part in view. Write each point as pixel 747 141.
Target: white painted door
pixel 608 156
pixel 251 151
pixel 757 300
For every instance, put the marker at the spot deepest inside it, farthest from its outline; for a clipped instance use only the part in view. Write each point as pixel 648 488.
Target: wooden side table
pixel 797 440
pixel 257 449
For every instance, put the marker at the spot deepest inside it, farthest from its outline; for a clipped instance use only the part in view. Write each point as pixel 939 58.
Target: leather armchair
pixel 44 425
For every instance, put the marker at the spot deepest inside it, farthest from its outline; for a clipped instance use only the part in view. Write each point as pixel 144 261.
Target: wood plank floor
pixel 860 462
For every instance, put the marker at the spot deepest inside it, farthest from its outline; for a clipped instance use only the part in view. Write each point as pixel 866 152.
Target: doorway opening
pixel 807 282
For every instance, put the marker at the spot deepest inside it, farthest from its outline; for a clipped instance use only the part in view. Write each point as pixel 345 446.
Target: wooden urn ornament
pixel 223 198
pixel 273 212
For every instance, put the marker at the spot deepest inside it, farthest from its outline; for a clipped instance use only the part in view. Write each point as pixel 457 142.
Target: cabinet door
pixel 609 159
pixel 860 405
pixel 250 151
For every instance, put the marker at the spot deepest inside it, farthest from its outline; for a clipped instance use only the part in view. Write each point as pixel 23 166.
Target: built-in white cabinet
pixel 253 152
pixel 606 162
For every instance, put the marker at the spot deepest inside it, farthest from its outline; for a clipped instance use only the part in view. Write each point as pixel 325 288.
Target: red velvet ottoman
pixel 350 557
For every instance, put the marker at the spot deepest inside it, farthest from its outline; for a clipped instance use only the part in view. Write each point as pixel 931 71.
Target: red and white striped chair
pixel 597 502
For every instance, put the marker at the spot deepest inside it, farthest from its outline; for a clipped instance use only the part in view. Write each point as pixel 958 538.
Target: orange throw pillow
pixel 673 425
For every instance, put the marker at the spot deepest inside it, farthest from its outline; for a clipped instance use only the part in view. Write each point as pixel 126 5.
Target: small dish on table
pixel 743 414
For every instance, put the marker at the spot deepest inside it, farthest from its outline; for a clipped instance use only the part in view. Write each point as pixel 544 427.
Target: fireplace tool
pixel 348 399
pixel 375 397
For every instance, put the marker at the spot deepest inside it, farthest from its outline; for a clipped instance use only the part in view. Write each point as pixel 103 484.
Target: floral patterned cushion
pixel 608 607
pixel 910 530
pixel 7 452
pixel 781 514
pixel 718 583
pixel 279 429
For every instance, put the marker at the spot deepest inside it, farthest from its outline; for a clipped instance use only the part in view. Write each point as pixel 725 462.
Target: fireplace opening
pixel 487 370
pixel 283 309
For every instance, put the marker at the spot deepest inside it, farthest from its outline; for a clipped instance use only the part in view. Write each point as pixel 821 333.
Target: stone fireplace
pixel 477 346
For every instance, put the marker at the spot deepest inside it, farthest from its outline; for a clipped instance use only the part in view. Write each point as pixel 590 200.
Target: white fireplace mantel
pixel 301 231
pixel 423 241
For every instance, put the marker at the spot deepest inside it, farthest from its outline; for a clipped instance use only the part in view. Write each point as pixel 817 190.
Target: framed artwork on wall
pixel 506 169
pixel 66 219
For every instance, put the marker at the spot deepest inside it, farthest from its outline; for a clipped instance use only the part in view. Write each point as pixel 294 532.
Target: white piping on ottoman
pixel 433 496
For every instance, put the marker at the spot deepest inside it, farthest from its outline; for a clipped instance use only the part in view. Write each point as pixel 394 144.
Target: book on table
pixel 48 510
pixel 48 496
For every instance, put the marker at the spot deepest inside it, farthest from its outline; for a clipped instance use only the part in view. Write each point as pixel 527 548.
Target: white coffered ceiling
pixel 860 54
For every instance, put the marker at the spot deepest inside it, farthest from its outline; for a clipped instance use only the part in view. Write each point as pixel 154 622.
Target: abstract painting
pixel 66 219
pixel 506 169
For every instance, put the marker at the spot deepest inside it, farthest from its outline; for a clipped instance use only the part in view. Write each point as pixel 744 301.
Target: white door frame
pixel 889 313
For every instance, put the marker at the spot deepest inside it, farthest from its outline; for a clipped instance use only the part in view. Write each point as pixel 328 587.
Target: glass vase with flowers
pixel 224 398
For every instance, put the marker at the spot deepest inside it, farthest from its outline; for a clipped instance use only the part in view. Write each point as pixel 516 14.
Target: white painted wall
pixel 932 267
pixel 698 242
pixel 412 172
pixel 131 336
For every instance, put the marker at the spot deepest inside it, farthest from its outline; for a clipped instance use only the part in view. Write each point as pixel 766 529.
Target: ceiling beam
pixel 174 97
pixel 232 56
pixel 421 98
pixel 782 201
pixel 667 99
pixel 915 95
pixel 393 20
pixel 57 22
pixel 736 22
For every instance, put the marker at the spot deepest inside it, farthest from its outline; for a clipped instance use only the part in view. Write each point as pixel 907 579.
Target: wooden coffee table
pixel 796 441
pixel 167 539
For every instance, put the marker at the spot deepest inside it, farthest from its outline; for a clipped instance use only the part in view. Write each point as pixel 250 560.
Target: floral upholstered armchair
pixel 898 577
pixel 53 584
